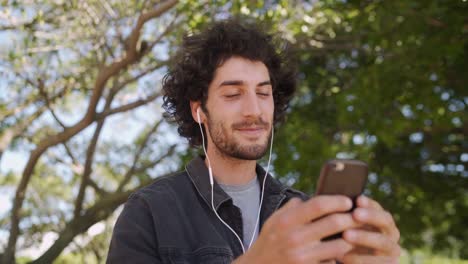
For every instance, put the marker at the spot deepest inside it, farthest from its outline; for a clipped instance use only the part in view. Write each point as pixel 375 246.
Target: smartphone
pixel 344 177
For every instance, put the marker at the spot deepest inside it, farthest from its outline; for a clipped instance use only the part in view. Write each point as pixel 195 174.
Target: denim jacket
pixel 171 220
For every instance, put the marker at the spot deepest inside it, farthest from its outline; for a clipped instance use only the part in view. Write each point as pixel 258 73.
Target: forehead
pixel 238 68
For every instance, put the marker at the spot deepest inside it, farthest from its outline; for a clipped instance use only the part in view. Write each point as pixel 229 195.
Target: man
pixel 227 89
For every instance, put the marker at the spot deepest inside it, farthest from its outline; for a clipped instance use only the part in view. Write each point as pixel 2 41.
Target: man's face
pixel 240 109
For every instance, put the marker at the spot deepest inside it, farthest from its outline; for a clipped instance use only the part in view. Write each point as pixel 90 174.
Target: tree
pixel 75 58
pixel 382 81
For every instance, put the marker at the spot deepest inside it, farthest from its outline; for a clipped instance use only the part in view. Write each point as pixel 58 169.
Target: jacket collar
pixel 198 174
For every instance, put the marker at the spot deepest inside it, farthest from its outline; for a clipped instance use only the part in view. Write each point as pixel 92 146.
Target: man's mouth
pixel 252 131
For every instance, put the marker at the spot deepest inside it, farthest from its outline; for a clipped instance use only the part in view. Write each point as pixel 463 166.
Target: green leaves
pixel 390 86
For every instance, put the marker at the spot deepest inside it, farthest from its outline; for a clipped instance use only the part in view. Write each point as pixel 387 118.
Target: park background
pixel 81 123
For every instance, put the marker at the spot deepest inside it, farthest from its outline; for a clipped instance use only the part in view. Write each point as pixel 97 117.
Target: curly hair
pixel 201 54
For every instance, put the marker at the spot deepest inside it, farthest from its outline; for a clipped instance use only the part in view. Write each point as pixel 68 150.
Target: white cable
pixel 210 172
pixel 263 188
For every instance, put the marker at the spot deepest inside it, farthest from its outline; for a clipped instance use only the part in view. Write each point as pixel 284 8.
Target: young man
pixel 227 89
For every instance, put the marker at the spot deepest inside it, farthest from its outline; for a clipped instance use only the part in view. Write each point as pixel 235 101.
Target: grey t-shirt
pixel 247 198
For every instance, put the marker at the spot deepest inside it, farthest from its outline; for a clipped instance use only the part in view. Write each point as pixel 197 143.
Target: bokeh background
pixel 81 123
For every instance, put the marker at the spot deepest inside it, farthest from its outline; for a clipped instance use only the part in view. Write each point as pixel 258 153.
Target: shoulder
pixel 137 228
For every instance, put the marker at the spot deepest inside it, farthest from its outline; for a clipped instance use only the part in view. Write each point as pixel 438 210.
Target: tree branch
pixel 87 168
pixel 96 188
pixel 139 75
pixel 144 167
pixel 168 29
pixel 90 156
pixel 103 76
pixel 98 212
pixel 76 164
pixel 70 154
pixel 131 56
pixel 43 93
pixel 140 149
pixel 31 99
pixel 9 134
pixel 128 107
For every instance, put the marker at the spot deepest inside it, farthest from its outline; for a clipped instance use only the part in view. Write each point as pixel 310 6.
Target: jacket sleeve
pixel 134 238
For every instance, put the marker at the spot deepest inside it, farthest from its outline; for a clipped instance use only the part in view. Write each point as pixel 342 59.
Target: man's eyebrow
pixel 231 82
pixel 264 83
pixel 239 82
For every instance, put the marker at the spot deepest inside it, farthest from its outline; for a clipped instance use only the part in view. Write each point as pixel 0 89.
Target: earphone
pixel 210 172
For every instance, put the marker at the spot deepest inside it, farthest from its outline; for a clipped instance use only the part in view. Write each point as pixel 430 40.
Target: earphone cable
pixel 210 172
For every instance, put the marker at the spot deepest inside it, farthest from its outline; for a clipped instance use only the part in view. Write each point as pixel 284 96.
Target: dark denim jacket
pixel 171 221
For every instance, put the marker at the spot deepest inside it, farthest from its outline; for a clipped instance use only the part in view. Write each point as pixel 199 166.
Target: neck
pixel 228 170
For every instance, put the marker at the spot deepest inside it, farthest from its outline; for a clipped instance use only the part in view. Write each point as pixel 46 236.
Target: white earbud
pixel 198 115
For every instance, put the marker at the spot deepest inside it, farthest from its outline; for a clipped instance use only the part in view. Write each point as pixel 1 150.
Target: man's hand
pixel 377 241
pixel 293 233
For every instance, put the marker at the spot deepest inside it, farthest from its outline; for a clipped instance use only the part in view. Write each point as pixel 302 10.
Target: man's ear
pixel 194 107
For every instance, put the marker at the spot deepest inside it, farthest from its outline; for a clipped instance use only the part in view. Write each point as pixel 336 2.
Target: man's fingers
pixel 323 251
pixel 316 207
pixel 293 202
pixel 378 218
pixel 366 259
pixel 381 243
pixel 366 202
pixel 326 226
pixel 279 221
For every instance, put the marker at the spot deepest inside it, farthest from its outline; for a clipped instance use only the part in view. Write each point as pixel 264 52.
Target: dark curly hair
pixel 201 54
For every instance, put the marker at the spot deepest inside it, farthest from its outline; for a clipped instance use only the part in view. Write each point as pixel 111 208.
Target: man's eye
pixel 231 95
pixel 263 94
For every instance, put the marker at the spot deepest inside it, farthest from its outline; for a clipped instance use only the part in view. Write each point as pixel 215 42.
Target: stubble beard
pixel 230 147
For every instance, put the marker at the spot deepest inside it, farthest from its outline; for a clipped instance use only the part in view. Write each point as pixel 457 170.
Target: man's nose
pixel 251 105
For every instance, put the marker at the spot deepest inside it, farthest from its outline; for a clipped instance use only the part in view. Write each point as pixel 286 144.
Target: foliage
pixel 69 69
pixel 386 84
pixel 381 81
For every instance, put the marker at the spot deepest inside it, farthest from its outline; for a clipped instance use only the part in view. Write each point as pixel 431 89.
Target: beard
pixel 230 146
